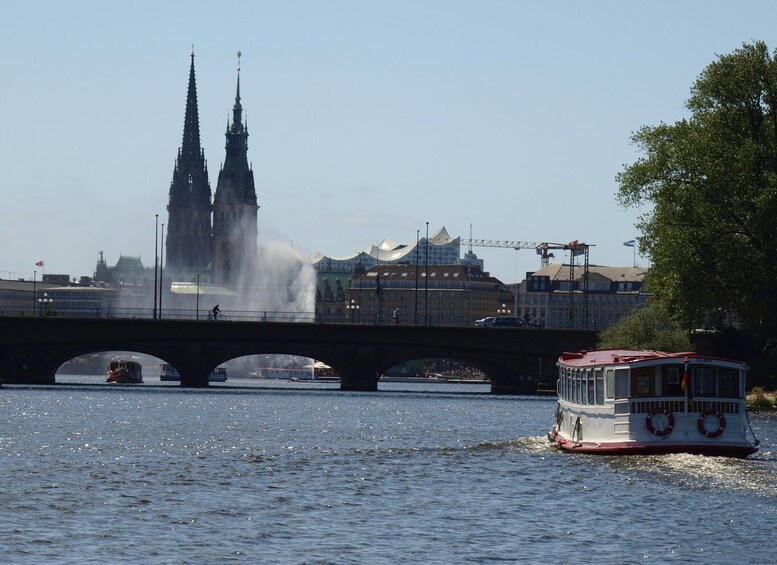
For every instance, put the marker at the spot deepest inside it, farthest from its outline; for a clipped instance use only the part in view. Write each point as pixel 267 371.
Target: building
pixel 449 295
pixel 334 273
pixel 36 298
pixel 442 249
pixel 188 244
pixel 235 206
pixel 555 301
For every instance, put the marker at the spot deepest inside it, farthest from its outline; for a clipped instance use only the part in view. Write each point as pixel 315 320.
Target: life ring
pixel 665 431
pixel 703 419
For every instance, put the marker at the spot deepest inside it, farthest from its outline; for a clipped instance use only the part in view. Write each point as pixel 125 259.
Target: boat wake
pixel 701 472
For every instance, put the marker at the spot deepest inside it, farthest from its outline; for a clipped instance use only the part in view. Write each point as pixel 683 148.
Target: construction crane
pixel 576 249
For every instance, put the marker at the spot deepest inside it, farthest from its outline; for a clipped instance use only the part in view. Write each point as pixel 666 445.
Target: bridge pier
pixel 194 367
pixel 360 383
pixel 26 366
pixel 357 368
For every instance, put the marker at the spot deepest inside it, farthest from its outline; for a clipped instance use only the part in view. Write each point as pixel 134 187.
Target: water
pixel 412 474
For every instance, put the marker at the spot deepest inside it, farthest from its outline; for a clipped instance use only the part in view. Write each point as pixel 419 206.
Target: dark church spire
pixel 189 208
pixel 191 124
pixel 234 205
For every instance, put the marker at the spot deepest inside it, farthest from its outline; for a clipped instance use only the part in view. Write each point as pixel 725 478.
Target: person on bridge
pixel 395 315
pixel 216 312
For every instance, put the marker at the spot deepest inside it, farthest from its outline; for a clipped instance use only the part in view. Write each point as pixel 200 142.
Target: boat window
pixel 643 382
pixel 599 374
pixel 610 378
pixel 672 378
pixel 704 381
pixel 583 388
pixel 578 386
pixel 591 387
pixel 729 383
pixel 621 383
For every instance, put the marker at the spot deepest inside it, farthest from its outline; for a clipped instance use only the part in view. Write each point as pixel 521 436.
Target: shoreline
pixel 770 396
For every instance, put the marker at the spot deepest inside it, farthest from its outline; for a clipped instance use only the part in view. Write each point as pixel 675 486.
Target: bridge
pixel 32 349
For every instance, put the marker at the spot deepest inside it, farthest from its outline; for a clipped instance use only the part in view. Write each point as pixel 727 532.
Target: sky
pixel 508 120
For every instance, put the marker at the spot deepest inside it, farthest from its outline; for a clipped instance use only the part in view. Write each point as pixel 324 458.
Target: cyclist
pixel 216 312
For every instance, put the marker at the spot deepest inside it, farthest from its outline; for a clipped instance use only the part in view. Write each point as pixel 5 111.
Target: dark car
pixel 508 322
pixel 485 322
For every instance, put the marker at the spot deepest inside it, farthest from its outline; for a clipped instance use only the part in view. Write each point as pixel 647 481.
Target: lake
pixel 304 473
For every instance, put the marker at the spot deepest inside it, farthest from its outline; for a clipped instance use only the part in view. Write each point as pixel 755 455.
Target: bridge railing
pixel 335 317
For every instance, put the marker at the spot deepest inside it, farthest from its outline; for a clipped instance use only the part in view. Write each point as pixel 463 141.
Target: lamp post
pixel 197 314
pixel 156 258
pixel 503 311
pixel 379 292
pixel 417 236
pixel 161 262
pixel 34 291
pixel 427 320
pixel 45 304
pixel 351 307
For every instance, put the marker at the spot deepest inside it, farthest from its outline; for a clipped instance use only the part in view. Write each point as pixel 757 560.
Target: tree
pixel 711 183
pixel 646 328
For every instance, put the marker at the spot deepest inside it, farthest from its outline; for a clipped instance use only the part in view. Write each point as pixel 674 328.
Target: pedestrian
pixel 395 315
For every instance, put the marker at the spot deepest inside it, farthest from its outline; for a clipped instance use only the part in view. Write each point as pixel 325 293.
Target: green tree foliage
pixel 646 328
pixel 710 182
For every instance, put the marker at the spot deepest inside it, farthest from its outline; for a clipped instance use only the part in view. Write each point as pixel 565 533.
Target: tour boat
pixel 169 373
pixel 124 372
pixel 651 402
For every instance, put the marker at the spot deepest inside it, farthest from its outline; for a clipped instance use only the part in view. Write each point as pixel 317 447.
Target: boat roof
pixel 630 356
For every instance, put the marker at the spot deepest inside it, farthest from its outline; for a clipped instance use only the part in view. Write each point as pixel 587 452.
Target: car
pixel 485 322
pixel 508 322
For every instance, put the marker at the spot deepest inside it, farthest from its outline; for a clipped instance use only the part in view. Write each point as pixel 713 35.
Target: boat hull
pixel 651 448
pixel 123 377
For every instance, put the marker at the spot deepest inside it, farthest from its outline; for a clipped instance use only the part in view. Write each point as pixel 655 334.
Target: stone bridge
pixel 32 349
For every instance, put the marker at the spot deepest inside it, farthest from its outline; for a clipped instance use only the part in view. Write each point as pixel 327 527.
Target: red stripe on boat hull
pixel 638 448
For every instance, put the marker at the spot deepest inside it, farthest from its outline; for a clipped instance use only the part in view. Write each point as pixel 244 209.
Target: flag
pixel 630 243
pixel 40 263
pixel 684 384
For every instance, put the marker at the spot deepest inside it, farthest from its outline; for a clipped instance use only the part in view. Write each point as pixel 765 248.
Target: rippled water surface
pixel 412 474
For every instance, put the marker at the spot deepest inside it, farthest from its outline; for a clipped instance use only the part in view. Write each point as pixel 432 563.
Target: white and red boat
pixel 646 402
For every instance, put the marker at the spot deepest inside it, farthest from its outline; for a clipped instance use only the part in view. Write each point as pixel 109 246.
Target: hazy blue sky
pixel 366 119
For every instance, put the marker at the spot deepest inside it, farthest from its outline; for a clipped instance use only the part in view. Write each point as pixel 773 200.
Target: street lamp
pixel 503 311
pixel 352 307
pixel 45 304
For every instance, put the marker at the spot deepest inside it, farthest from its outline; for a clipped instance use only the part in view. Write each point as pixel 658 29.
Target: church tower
pixel 234 206
pixel 189 227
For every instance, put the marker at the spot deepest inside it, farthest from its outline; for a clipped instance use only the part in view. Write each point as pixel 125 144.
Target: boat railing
pixel 647 405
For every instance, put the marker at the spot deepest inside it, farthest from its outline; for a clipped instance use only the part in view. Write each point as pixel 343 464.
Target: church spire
pixel 189 209
pixel 191 125
pixel 237 109
pixel 234 205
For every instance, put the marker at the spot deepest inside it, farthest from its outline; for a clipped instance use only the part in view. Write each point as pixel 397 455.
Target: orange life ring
pixel 703 418
pixel 669 422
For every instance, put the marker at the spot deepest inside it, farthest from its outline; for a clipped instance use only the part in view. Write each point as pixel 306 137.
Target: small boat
pixel 124 372
pixel 169 373
pixel 651 402
pixel 218 375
